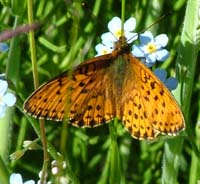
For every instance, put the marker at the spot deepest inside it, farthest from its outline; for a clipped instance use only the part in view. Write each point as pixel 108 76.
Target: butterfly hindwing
pixel 135 120
pixel 94 106
pixel 150 108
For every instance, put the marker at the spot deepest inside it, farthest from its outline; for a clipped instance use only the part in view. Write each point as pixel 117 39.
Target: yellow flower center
pixel 118 33
pixel 151 47
pixel 104 51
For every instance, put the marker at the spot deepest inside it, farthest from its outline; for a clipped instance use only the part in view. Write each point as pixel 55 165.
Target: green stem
pixel 32 44
pixel 115 172
pixel 123 15
pixel 4 172
pixel 36 84
pixel 195 161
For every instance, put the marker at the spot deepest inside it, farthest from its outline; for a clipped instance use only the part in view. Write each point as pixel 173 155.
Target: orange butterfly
pixel 108 86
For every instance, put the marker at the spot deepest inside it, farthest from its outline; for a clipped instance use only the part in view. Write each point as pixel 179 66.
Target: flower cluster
pixel 115 31
pixel 57 171
pixel 58 167
pixel 7 99
pixel 16 178
pixel 149 50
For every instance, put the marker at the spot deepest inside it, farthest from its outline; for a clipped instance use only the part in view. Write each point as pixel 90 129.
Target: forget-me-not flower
pixel 152 49
pixel 171 82
pixel 17 179
pixel 7 99
pixel 115 31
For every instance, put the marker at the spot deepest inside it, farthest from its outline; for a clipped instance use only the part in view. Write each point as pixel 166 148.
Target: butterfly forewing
pixel 82 96
pixel 45 100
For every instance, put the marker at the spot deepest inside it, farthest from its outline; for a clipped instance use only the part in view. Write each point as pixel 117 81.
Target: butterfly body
pixel 108 86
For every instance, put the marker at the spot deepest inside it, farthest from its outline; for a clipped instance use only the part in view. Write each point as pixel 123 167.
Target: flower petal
pixel 2 76
pixel 150 58
pixel 149 65
pixel 102 49
pixel 161 40
pixel 137 52
pixel 130 24
pixel 161 74
pixel 114 24
pixel 99 47
pixel 162 55
pixel 131 37
pixel 2 110
pixel 3 87
pixel 16 179
pixel 29 182
pixel 9 99
pixel 171 83
pixel 108 38
pixel 146 37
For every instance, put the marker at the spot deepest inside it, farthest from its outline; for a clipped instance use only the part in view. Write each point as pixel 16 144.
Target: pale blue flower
pixel 17 179
pixel 3 47
pixel 152 49
pixel 115 31
pixel 171 83
pixel 6 99
pixel 103 49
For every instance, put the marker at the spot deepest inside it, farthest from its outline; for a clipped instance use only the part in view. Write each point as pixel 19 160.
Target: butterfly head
pixel 122 46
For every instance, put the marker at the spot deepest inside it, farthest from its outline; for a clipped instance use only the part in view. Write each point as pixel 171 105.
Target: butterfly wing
pixel 93 104
pixel 148 108
pixel 80 96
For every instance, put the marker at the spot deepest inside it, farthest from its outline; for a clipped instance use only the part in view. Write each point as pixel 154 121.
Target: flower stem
pixel 123 16
pixel 115 172
pixel 36 84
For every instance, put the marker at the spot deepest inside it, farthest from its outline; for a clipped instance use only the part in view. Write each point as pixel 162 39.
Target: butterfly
pixel 108 86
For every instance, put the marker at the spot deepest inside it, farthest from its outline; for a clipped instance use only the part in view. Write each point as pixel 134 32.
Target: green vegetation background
pixel 107 154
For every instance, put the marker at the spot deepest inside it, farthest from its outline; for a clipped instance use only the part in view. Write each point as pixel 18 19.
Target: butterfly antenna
pixel 151 25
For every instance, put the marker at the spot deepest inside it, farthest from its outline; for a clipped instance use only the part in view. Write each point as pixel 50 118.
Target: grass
pixel 107 154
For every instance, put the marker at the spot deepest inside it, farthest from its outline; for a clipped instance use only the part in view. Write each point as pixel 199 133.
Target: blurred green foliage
pixel 67 36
